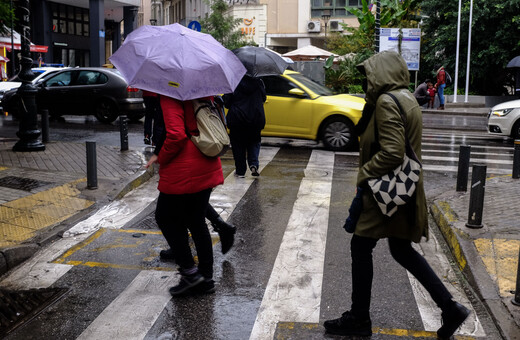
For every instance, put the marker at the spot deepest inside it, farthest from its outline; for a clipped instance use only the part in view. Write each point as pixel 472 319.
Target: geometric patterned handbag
pixel 397 187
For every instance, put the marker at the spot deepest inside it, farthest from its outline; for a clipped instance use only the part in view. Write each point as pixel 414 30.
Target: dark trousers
pixel 246 147
pixel 211 214
pixel 152 106
pixel 175 215
pixel 402 251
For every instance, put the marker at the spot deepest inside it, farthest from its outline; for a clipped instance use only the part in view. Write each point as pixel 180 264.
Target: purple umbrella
pixel 177 62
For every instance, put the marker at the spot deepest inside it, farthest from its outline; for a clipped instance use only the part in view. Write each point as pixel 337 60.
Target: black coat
pixel 246 105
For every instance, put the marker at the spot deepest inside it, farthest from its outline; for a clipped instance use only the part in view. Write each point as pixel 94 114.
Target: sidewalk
pixel 488 256
pixel 42 193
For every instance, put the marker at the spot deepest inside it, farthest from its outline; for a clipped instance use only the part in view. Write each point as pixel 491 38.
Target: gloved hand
pixel 356 207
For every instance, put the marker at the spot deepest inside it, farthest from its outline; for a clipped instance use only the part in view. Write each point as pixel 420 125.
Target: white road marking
pixel 135 310
pixel 116 214
pixel 430 313
pixel 293 292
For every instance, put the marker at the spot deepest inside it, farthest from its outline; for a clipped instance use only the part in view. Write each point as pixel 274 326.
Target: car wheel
pixel 338 134
pixel 515 132
pixel 106 112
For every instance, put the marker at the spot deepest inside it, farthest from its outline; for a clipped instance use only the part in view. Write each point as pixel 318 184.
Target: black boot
pixel 452 318
pixel 226 232
pixel 349 324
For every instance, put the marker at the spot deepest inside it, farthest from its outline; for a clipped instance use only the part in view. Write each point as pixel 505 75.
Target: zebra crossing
pixel 295 288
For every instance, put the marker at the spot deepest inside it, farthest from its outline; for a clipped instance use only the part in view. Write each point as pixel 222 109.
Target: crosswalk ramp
pixel 288 271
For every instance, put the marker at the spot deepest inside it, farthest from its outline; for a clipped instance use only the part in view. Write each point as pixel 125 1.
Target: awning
pixel 32 48
pixel 5 41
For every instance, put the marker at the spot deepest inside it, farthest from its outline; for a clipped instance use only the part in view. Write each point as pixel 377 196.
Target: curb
pixel 472 267
pixel 13 256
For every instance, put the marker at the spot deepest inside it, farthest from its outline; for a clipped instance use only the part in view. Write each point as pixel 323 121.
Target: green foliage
pixel 360 40
pixel 494 41
pixel 6 14
pixel 223 27
pixel 345 77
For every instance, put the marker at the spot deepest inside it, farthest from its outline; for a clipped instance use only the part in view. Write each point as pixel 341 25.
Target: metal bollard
pixel 516 159
pixel 463 171
pixel 476 198
pixel 45 126
pixel 91 165
pixel 123 128
pixel 516 298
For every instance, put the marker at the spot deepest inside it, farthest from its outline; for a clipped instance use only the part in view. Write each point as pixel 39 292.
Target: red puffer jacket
pixel 183 169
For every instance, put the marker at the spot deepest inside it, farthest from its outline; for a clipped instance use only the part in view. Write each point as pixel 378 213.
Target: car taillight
pixel 132 89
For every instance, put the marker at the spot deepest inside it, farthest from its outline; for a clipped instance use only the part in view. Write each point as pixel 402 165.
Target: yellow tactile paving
pixel 24 203
pixel 33 220
pixel 7 214
pixel 19 219
pixel 500 256
pixel 12 233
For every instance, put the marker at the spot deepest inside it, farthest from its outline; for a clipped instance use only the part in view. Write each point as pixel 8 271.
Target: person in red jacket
pixel 186 178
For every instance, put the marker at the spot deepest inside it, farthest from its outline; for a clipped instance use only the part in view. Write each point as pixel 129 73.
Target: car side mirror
pixel 297 92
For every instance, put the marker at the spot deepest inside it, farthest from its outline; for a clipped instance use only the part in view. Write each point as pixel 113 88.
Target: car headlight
pixel 501 113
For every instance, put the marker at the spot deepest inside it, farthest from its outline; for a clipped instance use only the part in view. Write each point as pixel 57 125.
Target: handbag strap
pixel 409 150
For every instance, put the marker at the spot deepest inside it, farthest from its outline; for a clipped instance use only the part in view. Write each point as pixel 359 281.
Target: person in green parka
pixel 387 72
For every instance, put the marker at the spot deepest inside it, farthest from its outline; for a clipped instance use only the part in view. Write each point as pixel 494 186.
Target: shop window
pixel 69 19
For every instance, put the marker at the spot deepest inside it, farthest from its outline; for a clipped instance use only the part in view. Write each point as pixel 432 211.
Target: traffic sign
pixel 195 25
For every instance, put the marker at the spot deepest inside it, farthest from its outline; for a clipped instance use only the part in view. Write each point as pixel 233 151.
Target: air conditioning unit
pixel 314 26
pixel 335 25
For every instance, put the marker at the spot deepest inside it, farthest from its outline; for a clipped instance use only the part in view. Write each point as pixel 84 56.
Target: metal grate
pixel 19 307
pixel 19 183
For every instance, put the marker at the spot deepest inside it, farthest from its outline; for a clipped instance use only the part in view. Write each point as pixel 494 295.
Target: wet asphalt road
pixel 262 216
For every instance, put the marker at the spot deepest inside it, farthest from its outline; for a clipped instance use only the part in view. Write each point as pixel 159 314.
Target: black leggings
pixel 175 215
pixel 403 252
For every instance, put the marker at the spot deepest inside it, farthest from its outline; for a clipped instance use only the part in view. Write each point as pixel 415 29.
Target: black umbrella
pixel 515 62
pixel 260 61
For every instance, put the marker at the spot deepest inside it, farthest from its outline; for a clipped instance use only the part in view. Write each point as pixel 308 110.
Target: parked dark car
pixel 102 92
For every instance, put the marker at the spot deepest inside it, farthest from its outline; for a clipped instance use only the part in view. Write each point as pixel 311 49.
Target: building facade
pixel 81 32
pixel 281 25
pixel 87 32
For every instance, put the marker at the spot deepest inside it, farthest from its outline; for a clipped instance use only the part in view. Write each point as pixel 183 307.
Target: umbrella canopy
pixel 308 52
pixel 515 62
pixel 178 62
pixel 260 61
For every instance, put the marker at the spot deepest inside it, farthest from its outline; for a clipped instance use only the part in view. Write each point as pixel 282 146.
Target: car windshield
pixel 311 85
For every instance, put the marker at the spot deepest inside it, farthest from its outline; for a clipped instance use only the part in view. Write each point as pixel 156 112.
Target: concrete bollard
pixel 463 170
pixel 45 126
pixel 516 298
pixel 123 129
pixel 516 159
pixel 91 165
pixel 476 198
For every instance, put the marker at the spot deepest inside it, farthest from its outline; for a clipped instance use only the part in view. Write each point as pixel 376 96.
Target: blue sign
pixel 195 25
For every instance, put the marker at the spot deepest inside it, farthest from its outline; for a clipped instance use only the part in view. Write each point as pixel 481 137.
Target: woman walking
pixel 383 136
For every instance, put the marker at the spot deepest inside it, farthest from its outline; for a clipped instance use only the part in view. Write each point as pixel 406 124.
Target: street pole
pixel 457 56
pixel 28 132
pixel 378 25
pixel 469 51
pixel 13 66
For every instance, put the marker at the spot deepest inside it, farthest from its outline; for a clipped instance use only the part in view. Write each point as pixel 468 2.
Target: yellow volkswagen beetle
pixel 298 107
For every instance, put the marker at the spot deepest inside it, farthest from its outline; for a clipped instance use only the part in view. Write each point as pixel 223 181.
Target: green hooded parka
pixel 387 72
